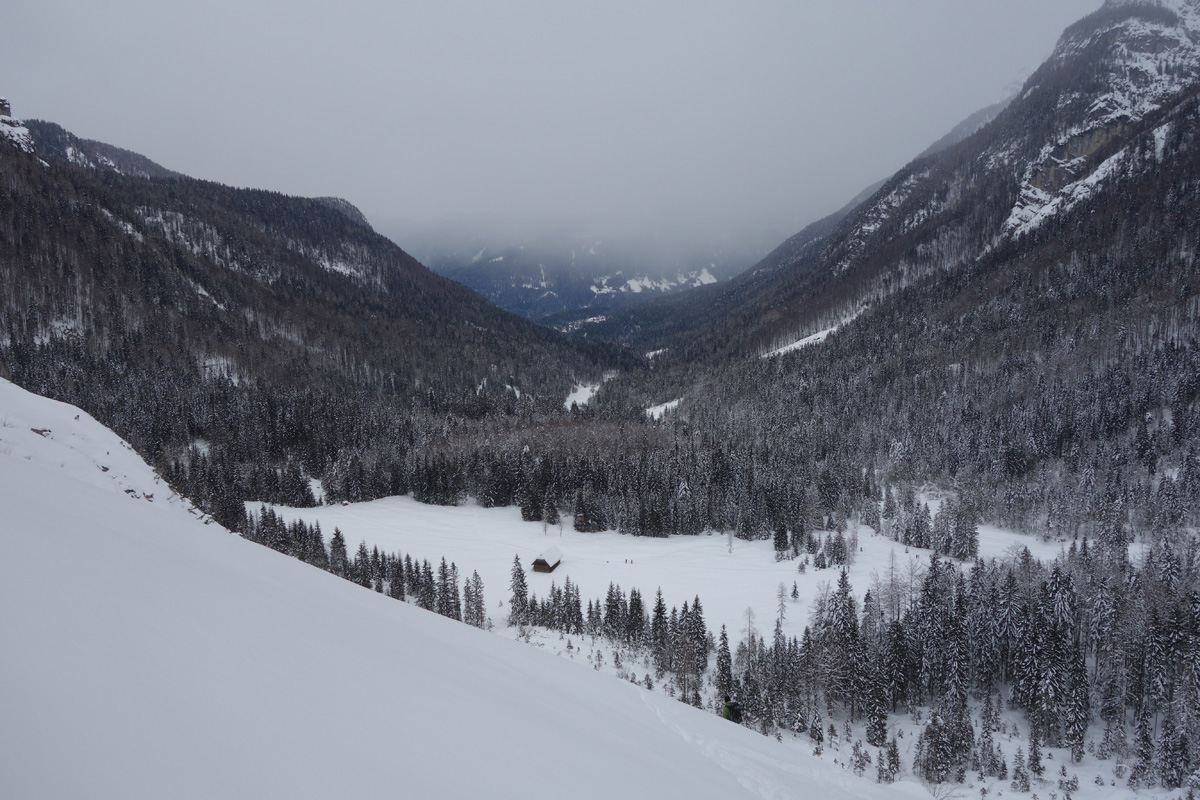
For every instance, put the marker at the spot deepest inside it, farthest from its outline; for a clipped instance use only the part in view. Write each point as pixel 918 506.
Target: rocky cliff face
pixel 1113 77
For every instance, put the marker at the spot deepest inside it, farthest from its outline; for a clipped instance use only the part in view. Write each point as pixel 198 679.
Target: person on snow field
pixel 732 710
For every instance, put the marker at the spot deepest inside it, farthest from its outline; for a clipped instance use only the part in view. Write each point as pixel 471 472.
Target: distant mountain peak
pixel 1151 27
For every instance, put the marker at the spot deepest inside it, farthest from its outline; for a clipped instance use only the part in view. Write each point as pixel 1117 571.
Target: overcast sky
pixel 609 114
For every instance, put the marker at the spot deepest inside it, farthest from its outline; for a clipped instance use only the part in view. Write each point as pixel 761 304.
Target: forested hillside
pixel 1015 317
pixel 1018 323
pixel 248 340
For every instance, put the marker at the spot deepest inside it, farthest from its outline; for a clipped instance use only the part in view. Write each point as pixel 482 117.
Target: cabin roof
pixel 551 556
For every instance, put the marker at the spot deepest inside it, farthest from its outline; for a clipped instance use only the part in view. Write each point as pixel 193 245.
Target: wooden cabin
pixel 548 560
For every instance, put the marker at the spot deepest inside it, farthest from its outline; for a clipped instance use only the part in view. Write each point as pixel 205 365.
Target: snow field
pixel 158 655
pixel 657 412
pixel 148 655
pixel 581 395
pixel 728 579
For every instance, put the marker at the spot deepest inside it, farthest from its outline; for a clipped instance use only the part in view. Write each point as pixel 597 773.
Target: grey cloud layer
pixel 672 116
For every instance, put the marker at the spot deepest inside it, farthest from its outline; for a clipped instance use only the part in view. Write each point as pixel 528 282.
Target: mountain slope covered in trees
pixel 1017 312
pixel 1016 316
pixel 246 338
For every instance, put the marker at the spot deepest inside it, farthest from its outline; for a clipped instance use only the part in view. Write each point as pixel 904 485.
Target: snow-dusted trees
pixel 339 559
pixel 1051 637
pixel 518 601
pixel 473 607
pixel 840 652
pixel 397 576
pixel 724 676
pixel 1090 636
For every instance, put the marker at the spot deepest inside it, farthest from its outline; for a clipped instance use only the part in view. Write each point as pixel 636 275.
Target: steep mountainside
pixel 55 143
pixel 1014 318
pixel 262 331
pixel 1119 85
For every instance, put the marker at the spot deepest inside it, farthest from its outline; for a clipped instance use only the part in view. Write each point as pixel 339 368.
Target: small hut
pixel 548 560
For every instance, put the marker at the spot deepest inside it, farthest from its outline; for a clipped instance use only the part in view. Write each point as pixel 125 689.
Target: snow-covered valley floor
pixel 146 652
pixel 728 576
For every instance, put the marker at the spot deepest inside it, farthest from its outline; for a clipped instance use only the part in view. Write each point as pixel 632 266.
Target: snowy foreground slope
pixel 147 654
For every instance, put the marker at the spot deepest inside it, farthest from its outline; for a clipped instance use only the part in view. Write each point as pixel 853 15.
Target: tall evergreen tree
pixel 518 602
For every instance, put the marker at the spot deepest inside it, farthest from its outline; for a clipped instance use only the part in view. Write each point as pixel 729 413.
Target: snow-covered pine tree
pixel 659 632
pixel 1077 710
pixel 518 602
pixel 893 759
pixel 1020 781
pixel 780 540
pixel 876 700
pixel 933 759
pixel 724 675
pixel 1035 753
pixel 339 559
pixel 1143 772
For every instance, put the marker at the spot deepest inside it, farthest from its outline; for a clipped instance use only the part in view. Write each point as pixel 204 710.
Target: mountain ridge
pixel 1097 76
pixel 185 293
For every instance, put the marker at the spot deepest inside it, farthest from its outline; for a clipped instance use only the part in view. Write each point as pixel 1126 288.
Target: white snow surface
pixel 581 395
pixel 728 579
pixel 148 655
pixel 805 341
pixel 584 392
pixel 15 132
pixel 812 338
pixel 657 412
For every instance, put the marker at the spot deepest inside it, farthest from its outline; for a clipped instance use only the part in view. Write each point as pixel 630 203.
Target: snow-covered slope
pixel 147 654
pixel 1143 55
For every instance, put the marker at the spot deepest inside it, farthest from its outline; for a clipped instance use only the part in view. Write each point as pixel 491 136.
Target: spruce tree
pixel 1142 774
pixel 780 541
pixel 1035 753
pixel 893 759
pixel 724 666
pixel 518 602
pixel 339 559
pixel 1020 781
pixel 876 702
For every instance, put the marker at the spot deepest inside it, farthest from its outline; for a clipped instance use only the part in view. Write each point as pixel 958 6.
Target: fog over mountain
pixel 665 123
